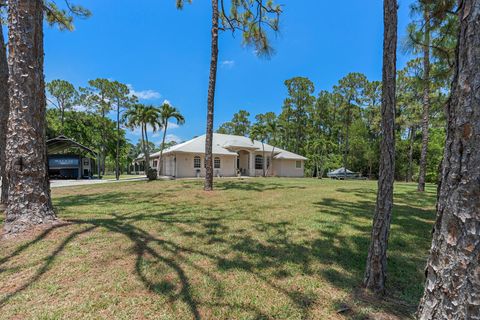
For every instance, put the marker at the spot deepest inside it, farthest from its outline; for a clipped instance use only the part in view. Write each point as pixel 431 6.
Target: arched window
pixel 258 162
pixel 197 162
pixel 216 163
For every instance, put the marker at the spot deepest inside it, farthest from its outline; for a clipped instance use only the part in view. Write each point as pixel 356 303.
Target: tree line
pixel 341 127
pixel 94 127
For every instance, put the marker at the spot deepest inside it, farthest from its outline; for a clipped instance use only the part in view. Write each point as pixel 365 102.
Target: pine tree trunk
pixel 103 148
pixel 29 201
pixel 117 158
pixel 62 115
pixel 345 153
pixel 4 109
pixel 452 288
pixel 411 139
pixel 375 274
pixel 211 99
pixel 426 103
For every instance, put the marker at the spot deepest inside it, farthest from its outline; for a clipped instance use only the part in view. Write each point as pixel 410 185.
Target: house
pixel 232 155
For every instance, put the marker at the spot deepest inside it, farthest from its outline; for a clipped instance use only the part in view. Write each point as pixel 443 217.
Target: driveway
pixel 73 183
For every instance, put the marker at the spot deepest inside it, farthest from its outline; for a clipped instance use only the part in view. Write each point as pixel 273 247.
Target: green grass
pixel 253 249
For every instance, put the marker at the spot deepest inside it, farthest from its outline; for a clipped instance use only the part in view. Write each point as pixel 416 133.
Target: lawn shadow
pixel 48 261
pixel 273 256
pixel 246 185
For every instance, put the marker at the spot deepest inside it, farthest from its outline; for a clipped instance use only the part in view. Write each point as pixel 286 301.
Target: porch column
pixel 251 170
pixel 235 166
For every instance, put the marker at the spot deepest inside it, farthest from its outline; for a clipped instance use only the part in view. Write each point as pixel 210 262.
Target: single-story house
pixel 232 155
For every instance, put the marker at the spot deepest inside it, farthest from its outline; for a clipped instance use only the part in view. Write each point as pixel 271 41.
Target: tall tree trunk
pixel 410 154
pixel 376 269
pixel 103 147
pixel 211 99
pixel 117 158
pixel 4 109
pixel 143 145
pixel 29 201
pixel 160 159
pixel 426 102
pixel 62 115
pixel 345 153
pixel 147 151
pixel 264 161
pixel 271 161
pixel 452 288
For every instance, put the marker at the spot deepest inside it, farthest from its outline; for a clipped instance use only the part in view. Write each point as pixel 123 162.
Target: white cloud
pixel 227 64
pixel 169 138
pixel 172 125
pixel 173 137
pixel 144 94
pixel 159 133
pixel 80 108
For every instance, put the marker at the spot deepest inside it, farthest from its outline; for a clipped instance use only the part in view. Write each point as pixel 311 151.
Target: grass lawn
pixel 253 249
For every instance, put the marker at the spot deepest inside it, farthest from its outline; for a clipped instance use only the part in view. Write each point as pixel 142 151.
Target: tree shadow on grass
pixel 269 256
pixel 255 186
pixel 46 265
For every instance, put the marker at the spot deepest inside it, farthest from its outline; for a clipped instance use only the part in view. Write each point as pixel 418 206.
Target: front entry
pixel 243 162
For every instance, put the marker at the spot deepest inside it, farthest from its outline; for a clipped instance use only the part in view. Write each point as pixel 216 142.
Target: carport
pixel 68 159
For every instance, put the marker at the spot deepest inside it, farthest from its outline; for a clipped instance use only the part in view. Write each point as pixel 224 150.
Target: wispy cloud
pixel 173 137
pixel 171 125
pixel 144 94
pixel 169 138
pixel 227 64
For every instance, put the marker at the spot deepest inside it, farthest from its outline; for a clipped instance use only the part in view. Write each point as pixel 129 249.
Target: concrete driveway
pixel 73 183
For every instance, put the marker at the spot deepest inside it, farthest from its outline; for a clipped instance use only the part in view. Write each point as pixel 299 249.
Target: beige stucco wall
pixel 281 167
pixel 286 168
pixel 185 167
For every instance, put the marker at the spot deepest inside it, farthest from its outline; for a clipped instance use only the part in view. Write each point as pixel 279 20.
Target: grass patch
pixel 253 249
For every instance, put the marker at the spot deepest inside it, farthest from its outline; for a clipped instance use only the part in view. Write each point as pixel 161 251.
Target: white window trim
pixel 200 160
pixel 219 163
pixel 262 163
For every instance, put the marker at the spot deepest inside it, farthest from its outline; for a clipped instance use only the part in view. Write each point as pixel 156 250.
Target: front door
pixel 243 162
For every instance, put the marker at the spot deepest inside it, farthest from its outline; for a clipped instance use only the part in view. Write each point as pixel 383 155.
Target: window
pixel 298 164
pixel 197 162
pixel 216 163
pixel 155 163
pixel 258 162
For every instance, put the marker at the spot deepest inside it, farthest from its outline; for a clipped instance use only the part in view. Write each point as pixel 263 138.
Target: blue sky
pixel 164 53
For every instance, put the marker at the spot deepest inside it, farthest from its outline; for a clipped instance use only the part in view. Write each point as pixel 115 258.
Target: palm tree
pixel 167 112
pixel 140 115
pixel 259 132
pixel 272 129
